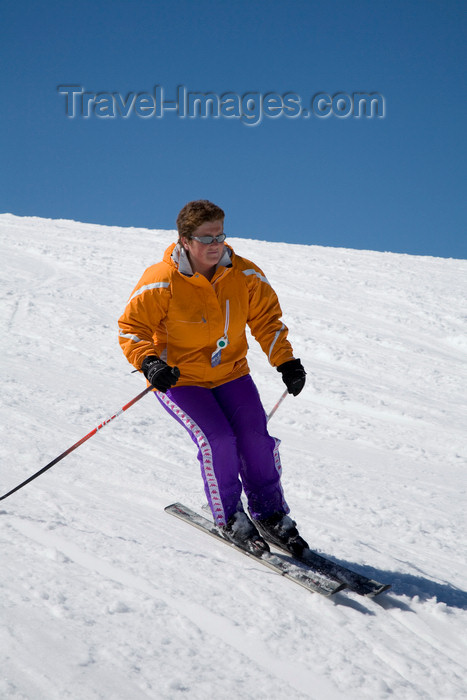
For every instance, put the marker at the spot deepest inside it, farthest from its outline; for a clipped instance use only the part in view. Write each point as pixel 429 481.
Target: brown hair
pixel 196 213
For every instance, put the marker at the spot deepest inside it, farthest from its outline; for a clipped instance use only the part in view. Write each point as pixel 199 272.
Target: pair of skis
pixel 312 571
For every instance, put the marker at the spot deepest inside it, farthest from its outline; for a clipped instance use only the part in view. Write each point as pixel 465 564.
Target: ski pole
pixel 77 444
pixel 274 409
pixel 95 430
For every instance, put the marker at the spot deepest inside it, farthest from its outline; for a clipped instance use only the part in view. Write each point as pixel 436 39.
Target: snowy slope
pixel 104 596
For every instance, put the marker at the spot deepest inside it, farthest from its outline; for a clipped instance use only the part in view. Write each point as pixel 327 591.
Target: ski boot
pixel 241 532
pixel 279 529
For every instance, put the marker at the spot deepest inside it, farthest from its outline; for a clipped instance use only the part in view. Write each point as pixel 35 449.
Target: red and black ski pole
pixel 95 430
pixel 77 444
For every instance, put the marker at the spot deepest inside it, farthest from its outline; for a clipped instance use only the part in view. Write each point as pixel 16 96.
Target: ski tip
pixel 173 506
pixel 382 588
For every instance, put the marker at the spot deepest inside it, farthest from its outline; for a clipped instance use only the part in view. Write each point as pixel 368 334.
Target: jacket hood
pixel 176 256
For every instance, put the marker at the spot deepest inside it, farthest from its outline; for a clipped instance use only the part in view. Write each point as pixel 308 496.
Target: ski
pixel 358 583
pixel 290 567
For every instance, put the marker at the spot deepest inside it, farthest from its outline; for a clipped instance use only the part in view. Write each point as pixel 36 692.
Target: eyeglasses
pixel 210 239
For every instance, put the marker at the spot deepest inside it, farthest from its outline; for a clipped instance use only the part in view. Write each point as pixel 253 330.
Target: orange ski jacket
pixel 199 325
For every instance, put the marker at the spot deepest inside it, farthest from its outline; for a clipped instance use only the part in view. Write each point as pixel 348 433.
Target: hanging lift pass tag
pixel 216 355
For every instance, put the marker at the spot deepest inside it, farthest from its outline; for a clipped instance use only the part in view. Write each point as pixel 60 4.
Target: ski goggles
pixel 210 239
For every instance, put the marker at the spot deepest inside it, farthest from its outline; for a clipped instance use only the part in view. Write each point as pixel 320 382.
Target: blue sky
pixel 396 183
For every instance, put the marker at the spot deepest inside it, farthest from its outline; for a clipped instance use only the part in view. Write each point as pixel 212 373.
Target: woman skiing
pixel 184 328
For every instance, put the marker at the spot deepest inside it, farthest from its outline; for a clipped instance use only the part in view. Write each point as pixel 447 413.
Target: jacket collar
pixel 180 258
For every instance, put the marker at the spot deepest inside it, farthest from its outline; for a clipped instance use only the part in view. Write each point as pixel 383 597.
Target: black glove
pixel 159 373
pixel 293 376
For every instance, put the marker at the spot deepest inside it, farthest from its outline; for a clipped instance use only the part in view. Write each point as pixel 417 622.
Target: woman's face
pixel 204 257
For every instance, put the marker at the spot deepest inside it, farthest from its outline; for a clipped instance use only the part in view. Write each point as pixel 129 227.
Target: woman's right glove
pixel 293 375
pixel 159 373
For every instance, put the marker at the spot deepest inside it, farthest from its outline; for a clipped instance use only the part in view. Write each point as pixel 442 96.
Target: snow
pixel 104 596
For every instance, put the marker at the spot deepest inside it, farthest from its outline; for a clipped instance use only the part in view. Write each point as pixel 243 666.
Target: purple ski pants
pixel 228 425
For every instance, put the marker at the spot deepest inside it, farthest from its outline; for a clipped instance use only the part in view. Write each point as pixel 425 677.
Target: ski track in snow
pixel 105 597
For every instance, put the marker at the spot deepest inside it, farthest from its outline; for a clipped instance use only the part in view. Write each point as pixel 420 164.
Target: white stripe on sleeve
pixel 134 338
pixel 271 347
pixel 258 274
pixel 147 287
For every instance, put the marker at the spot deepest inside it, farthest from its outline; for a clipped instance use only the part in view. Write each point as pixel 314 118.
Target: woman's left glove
pixel 293 376
pixel 161 375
